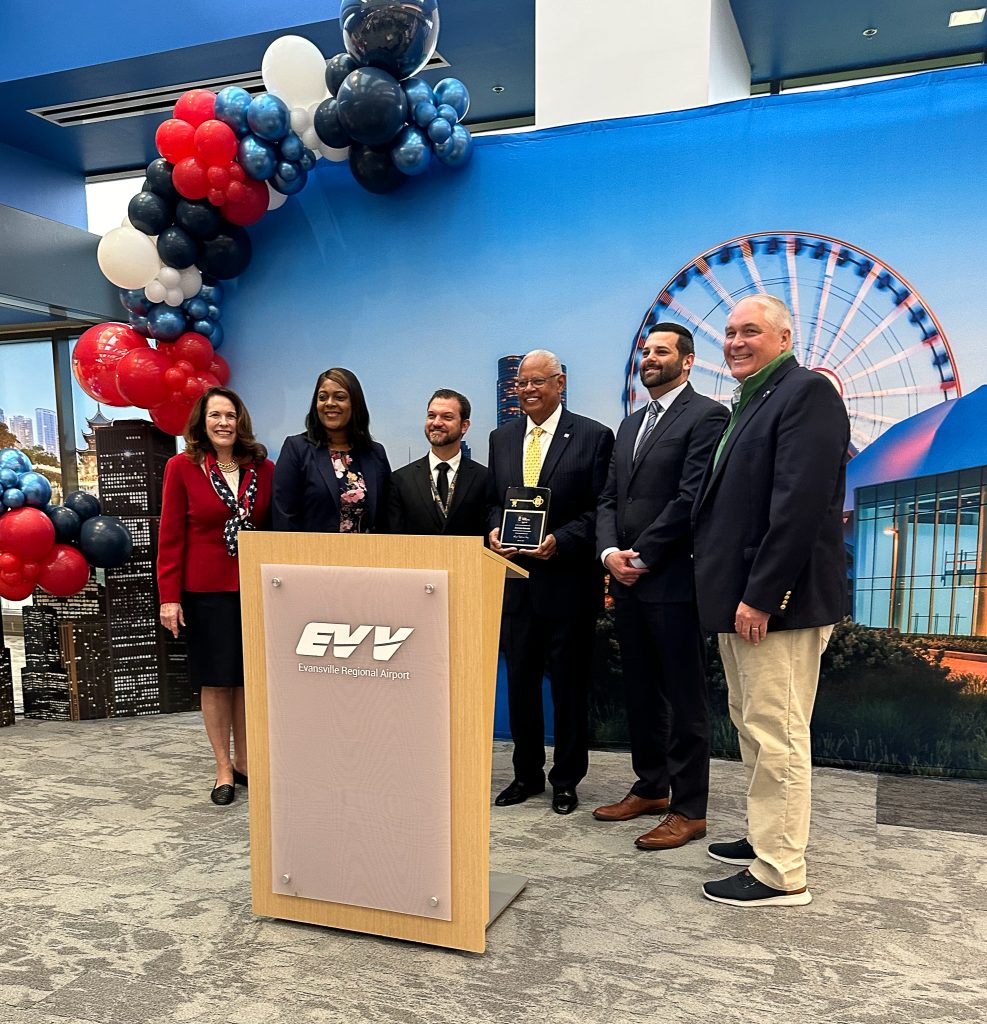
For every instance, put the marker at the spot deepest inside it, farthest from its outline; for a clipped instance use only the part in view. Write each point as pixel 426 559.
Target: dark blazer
pixel 306 491
pixel 647 503
pixel 575 470
pixel 412 508
pixel 768 525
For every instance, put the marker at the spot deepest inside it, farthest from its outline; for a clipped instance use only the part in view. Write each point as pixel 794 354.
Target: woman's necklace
pixel 227 467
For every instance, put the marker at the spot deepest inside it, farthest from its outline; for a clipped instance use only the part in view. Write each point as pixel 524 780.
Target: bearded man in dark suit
pixel 443 492
pixel 550 618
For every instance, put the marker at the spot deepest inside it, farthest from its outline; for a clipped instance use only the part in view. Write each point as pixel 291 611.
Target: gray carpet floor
pixel 124 897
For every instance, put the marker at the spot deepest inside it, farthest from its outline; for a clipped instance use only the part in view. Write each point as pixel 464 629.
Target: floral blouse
pixel 352 491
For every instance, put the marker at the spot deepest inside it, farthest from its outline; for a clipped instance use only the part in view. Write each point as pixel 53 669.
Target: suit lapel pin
pixel 565 435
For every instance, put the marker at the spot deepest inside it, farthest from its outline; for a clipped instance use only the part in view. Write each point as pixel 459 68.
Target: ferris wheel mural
pixel 857 321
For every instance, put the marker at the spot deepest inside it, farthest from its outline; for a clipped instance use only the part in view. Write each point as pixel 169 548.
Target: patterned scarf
pixel 241 507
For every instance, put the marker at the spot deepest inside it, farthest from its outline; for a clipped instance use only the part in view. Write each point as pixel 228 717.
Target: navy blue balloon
pixel 83 504
pixel 291 147
pixel 166 323
pixel 13 497
pixel 372 106
pixel 337 68
pixel 440 131
pixel 196 307
pixel 227 255
pixel 203 327
pixel 257 157
pixel 449 113
pixel 396 35
pixel 231 108
pixel 268 117
pixel 66 522
pixel 150 213
pixel 212 311
pixel 105 542
pixel 211 291
pixel 177 248
pixel 135 301
pixel 455 94
pixel 159 180
pixel 425 113
pixel 139 324
pixel 457 151
pixel 198 218
pixel 290 178
pixel 418 91
pixel 374 169
pixel 307 160
pixel 216 338
pixel 327 126
pixel 411 152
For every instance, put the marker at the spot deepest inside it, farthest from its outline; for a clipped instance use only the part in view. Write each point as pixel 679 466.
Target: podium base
pixel 504 889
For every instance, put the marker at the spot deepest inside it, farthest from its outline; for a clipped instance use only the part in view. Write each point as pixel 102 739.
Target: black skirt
pixel 213 636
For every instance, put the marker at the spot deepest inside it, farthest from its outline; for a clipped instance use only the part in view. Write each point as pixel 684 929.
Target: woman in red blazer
pixel 219 485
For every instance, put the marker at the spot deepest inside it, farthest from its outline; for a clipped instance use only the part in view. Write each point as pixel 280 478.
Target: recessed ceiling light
pixel 869 33
pixel 974 16
pixel 497 89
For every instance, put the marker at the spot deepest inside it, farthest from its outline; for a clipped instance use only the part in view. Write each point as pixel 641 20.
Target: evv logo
pixel 345 639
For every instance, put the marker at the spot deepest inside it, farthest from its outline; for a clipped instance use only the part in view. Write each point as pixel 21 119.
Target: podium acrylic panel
pixel 359 728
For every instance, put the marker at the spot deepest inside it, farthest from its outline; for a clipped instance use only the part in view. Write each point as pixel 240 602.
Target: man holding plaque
pixel 443 492
pixel 644 538
pixel 546 469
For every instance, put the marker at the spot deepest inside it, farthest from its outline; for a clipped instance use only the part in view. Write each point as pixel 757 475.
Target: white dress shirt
pixel 434 462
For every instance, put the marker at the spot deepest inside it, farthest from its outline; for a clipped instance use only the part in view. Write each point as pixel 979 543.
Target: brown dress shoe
pixel 632 806
pixel 671 832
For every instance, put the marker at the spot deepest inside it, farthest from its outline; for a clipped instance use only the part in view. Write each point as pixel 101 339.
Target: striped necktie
pixel 653 410
pixel 532 458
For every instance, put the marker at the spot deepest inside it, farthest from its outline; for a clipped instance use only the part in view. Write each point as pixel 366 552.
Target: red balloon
pixel 9 562
pixel 96 356
pixel 65 571
pixel 184 365
pixel 30 570
pixel 140 377
pixel 189 178
pixel 246 201
pixel 174 379
pixel 194 349
pixel 237 173
pixel 215 142
pixel 193 389
pixel 207 380
pixel 218 177
pixel 27 533
pixel 171 417
pixel 167 349
pixel 175 140
pixel 220 369
pixel 17 589
pixel 216 197
pixel 196 106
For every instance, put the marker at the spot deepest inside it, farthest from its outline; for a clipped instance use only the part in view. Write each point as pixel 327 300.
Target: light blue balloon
pixel 212 292
pixel 449 113
pixel 8 478
pixel 166 323
pixel 424 113
pixel 418 91
pixel 439 131
pixel 291 147
pixel 213 311
pixel 13 497
pixel 258 158
pixel 204 327
pixel 13 458
pixel 196 307
pixel 458 150
pixel 268 117
pixel 216 338
pixel 231 108
pixel 289 179
pixel 411 152
pixel 455 94
pixel 36 489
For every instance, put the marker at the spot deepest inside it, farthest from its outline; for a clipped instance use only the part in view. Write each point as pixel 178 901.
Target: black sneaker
pixel 741 852
pixel 744 890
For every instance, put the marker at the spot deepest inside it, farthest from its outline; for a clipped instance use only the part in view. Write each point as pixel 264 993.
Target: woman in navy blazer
pixel 334 478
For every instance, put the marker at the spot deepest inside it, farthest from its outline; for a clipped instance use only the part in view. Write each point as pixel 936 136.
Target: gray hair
pixel 554 363
pixel 775 311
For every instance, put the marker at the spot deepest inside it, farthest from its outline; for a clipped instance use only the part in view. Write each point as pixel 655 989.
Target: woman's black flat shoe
pixel 223 795
pixel 239 778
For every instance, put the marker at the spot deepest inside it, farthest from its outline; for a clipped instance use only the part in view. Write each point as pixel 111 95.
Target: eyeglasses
pixel 534 382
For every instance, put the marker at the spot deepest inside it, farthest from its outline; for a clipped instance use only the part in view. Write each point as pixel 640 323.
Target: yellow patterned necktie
pixel 532 458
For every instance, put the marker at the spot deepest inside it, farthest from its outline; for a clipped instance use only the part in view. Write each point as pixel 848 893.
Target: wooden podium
pixel 312 831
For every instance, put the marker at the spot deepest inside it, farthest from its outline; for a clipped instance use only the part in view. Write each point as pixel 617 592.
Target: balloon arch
pixel 226 159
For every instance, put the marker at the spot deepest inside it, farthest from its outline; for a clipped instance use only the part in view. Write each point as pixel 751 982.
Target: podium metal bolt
pixel 429 589
pixel 433 901
pixel 286 878
pixel 276 582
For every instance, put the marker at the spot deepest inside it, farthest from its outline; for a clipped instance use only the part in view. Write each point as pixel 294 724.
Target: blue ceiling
pixel 487 43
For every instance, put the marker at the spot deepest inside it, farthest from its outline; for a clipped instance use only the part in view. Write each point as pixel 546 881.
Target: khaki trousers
pixel 772 688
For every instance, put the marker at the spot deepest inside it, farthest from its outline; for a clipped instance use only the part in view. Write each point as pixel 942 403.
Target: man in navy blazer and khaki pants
pixel 771 582
pixel 644 537
pixel 550 618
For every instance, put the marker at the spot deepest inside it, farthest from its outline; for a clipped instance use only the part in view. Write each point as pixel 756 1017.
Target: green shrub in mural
pixel 885 702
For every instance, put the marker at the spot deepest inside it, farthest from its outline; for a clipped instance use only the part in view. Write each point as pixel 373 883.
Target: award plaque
pixel 525 517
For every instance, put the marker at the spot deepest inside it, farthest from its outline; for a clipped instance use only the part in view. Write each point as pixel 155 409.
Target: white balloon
pixel 127 257
pixel 294 70
pixel 313 107
pixel 300 120
pixel 337 156
pixel 174 297
pixel 311 139
pixel 191 281
pixel 125 223
pixel 169 277
pixel 155 291
pixel 275 198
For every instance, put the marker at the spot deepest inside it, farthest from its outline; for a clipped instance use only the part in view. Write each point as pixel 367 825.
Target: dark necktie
pixel 443 485
pixel 653 409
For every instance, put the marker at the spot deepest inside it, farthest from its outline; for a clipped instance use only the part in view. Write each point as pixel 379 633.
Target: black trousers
pixel 662 655
pixel 561 648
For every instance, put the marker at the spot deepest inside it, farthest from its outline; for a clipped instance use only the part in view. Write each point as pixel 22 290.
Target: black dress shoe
pixel 517 792
pixel 239 779
pixel 564 801
pixel 223 795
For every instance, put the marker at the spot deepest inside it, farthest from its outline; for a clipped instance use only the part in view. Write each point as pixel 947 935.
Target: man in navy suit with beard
pixel 550 618
pixel 644 537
